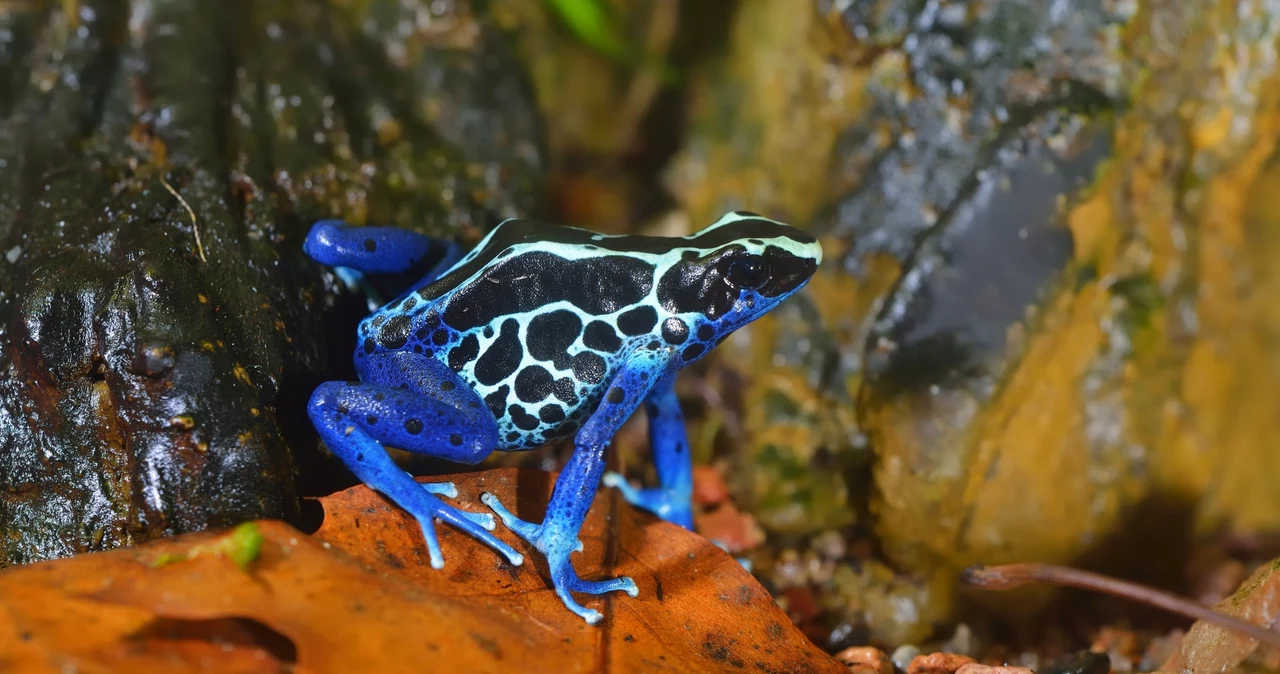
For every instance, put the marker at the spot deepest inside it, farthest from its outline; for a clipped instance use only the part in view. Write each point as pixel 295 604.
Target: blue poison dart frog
pixel 542 333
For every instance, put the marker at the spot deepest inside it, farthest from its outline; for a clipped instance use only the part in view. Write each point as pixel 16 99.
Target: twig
pixel 1009 576
pixel 195 228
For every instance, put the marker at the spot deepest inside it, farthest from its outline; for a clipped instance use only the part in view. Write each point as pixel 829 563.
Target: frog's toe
pixel 526 530
pixel 669 504
pixel 617 481
pixel 623 584
pixel 566 582
pixel 476 525
pixel 483 519
pixel 445 489
pixel 653 500
pixel 590 615
pixel 433 544
pixel 556 543
pixel 450 490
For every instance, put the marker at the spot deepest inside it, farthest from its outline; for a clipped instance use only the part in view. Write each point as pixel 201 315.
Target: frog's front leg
pixel 417 404
pixel 375 250
pixel 670 445
pixel 575 489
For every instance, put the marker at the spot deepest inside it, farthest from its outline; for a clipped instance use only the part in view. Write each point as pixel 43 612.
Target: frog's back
pixel 537 318
pixel 529 318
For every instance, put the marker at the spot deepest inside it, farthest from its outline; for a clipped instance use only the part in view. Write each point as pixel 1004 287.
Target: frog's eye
pixel 749 272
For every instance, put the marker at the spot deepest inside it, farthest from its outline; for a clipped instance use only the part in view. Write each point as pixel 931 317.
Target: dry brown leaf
pixel 698 610
pixel 735 530
pixel 709 487
pixel 360 596
pixel 126 610
pixel 1210 649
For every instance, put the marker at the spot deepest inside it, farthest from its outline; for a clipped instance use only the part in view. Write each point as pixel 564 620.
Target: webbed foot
pixel 670 505
pixel 449 490
pixel 556 546
pixel 465 521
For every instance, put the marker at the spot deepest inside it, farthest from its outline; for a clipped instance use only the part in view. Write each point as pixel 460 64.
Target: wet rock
pixel 1043 309
pixel 935 148
pixel 1077 421
pixel 160 164
pixel 951 341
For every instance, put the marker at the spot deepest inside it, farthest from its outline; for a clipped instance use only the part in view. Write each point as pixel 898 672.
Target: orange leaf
pixel 360 596
pixel 698 609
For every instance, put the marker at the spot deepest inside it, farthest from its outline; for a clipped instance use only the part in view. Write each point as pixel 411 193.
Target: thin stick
pixel 195 228
pixel 1009 576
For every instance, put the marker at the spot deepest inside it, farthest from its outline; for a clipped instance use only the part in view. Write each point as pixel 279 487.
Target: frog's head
pixel 738 269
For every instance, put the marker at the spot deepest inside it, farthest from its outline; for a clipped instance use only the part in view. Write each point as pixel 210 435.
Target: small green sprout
pixel 242 546
pixel 591 22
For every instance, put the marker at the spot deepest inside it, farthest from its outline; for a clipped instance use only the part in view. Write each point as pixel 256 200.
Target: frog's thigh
pixel 399 418
pixel 356 420
pixel 415 403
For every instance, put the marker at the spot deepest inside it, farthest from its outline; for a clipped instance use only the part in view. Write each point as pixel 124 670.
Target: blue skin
pixel 333 243
pixel 417 392
pixel 673 500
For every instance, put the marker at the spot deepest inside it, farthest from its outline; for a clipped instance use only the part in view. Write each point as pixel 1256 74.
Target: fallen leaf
pixel 698 610
pixel 736 530
pixel 1208 648
pixel 360 595
pixel 709 487
pixel 122 610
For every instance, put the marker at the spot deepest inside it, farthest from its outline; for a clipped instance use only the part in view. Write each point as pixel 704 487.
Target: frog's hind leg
pixel 376 250
pixel 673 501
pixel 575 489
pixel 417 404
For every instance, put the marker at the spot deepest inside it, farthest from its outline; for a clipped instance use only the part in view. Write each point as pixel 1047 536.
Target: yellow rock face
pixel 1133 403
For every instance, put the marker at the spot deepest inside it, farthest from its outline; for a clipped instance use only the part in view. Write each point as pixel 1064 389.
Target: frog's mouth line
pixel 787 272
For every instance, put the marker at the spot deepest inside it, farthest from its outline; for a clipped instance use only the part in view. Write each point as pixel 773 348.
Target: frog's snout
pixel 814 252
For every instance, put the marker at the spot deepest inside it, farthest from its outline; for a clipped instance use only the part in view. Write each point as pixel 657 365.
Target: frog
pixel 538 334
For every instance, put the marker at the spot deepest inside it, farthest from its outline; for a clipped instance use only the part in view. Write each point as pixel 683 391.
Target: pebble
pixel 903 655
pixel 976 668
pixel 866 660
pixel 939 663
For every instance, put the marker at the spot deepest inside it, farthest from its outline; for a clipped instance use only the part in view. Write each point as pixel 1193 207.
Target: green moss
pixel 1142 298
